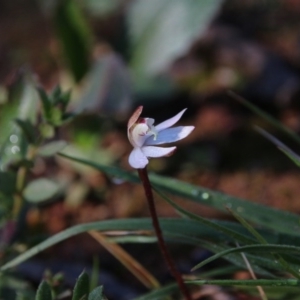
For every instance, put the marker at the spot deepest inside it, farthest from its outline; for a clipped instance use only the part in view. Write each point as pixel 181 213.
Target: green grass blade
pixel 262 240
pixel 178 230
pixel 233 234
pixel 285 149
pixel 160 293
pixel 256 282
pixel 265 116
pixel 277 220
pixel 252 248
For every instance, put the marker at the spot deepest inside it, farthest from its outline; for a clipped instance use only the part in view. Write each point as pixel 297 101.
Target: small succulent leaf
pixel 40 190
pixel 46 104
pixel 56 116
pixel 52 148
pixel 96 294
pixel 44 291
pixel 47 131
pixel 28 130
pixel 65 98
pixel 82 286
pixel 56 94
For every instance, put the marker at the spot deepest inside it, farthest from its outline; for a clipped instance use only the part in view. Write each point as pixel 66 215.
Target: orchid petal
pixel 170 122
pixel 169 135
pixel 137 159
pixel 152 151
pixel 134 117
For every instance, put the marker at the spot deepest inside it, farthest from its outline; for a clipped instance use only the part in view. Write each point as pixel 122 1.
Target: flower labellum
pixel 144 137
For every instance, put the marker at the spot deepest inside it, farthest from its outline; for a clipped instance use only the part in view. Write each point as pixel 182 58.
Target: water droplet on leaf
pixel 15 149
pixel 205 196
pixel 13 138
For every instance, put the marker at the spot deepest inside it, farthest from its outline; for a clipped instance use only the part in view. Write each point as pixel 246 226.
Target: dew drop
pixel 13 138
pixel 205 196
pixel 15 149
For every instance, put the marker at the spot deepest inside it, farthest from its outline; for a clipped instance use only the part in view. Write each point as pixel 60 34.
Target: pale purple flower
pixel 144 137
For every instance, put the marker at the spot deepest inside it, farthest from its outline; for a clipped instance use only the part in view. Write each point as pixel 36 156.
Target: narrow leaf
pixel 52 148
pixel 252 248
pixel 285 149
pixel 28 130
pixel 233 234
pixel 82 286
pixel 96 294
pixel 256 282
pixel 266 116
pixel 160 293
pixel 46 104
pixel 44 291
pixel 173 229
pixel 277 220
pixel 262 240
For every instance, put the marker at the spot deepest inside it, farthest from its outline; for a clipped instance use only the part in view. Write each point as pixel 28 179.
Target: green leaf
pixel 262 240
pixel 81 289
pixel 7 183
pixel 96 294
pixel 52 148
pixel 47 131
pixel 46 104
pixel 75 36
pixel 224 229
pixel 160 293
pixel 28 130
pixel 285 149
pixel 95 273
pixel 44 291
pixel 177 230
pixel 269 217
pixel 163 30
pixel 109 87
pixel 40 190
pixel 251 248
pixel 256 282
pixel 277 124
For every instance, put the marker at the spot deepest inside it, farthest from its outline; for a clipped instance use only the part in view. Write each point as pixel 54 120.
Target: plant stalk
pixel 143 174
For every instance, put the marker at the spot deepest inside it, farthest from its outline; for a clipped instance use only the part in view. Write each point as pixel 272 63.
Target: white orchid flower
pixel 143 136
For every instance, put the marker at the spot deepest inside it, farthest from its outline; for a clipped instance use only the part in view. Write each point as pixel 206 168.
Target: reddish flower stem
pixel 143 173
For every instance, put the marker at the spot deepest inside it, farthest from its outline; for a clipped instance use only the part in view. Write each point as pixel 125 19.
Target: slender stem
pixel 163 248
pixel 20 182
